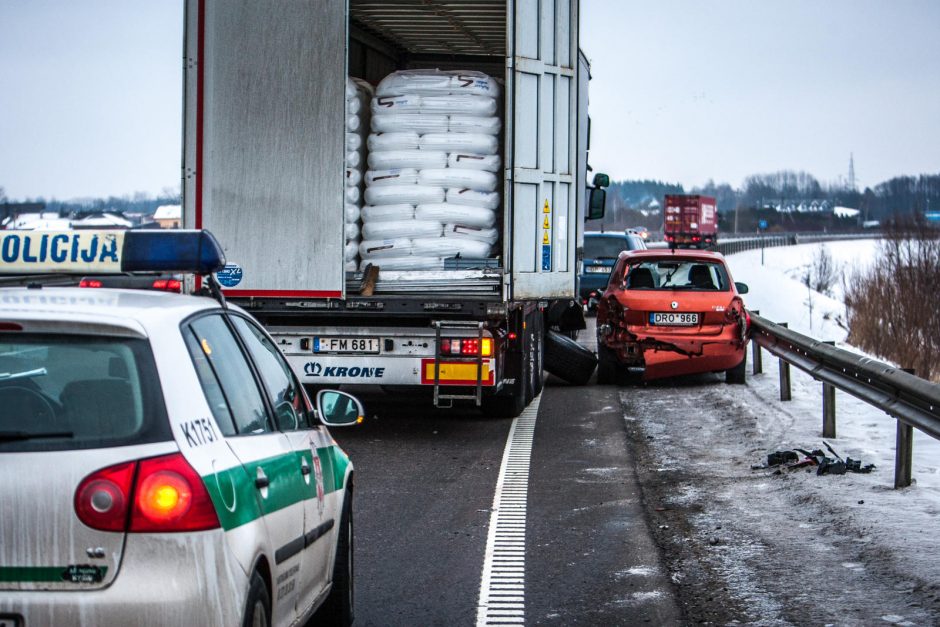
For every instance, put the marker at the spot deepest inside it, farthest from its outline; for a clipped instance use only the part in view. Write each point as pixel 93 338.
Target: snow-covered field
pixel 793 547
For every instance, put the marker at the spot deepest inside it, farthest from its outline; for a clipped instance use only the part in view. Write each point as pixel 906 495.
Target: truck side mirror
pixel 601 180
pixel 597 203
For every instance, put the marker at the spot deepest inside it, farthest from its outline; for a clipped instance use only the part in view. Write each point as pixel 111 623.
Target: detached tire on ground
pixel 567 359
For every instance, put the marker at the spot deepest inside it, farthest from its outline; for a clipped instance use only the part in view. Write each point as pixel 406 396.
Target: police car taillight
pixel 468 346
pixel 170 496
pixel 102 497
pixel 89 283
pixel 168 285
pixel 160 494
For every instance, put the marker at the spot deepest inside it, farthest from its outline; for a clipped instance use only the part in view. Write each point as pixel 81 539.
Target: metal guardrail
pixel 737 245
pixel 913 401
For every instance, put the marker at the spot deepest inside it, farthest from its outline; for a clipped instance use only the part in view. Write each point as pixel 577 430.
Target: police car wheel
pixel 337 610
pixel 258 607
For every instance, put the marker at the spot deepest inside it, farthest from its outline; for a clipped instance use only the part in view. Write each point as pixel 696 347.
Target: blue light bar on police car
pixel 109 252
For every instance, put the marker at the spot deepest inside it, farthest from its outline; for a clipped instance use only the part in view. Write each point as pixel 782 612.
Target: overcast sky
pixel 683 91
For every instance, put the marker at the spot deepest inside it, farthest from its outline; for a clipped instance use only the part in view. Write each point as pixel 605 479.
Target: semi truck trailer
pixel 264 161
pixel 690 221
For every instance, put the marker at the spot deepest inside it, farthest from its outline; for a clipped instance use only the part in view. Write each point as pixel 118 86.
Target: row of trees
pixel 631 203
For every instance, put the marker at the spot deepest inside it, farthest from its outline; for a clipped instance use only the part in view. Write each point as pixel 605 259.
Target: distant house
pixel 39 221
pixel 168 216
pixel 102 221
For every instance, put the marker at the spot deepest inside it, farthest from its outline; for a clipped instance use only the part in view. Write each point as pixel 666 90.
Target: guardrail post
pixel 904 451
pixel 785 394
pixel 829 407
pixel 757 365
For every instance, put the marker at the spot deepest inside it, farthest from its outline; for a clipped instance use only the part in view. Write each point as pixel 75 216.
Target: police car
pixel 160 463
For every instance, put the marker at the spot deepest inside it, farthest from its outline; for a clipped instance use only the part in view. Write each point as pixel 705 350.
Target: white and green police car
pixel 160 463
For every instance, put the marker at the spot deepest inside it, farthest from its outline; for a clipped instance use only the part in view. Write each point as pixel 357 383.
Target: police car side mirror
pixel 741 287
pixel 339 409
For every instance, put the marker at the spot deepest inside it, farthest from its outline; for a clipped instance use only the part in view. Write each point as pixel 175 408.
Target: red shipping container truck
pixel 690 221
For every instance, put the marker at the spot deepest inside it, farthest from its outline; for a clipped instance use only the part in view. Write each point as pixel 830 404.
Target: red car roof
pixel 684 254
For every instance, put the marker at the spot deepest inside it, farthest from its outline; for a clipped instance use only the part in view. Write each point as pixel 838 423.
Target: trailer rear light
pixel 467 346
pixel 168 285
pixel 10 326
pixel 89 283
pixel 696 238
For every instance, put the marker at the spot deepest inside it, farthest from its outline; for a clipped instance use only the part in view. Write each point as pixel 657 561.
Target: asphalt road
pixel 425 484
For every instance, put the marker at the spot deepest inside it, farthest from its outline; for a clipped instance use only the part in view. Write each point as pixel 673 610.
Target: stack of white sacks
pixel 358 97
pixel 432 183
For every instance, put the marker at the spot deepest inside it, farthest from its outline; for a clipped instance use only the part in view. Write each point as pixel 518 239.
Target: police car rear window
pixel 63 392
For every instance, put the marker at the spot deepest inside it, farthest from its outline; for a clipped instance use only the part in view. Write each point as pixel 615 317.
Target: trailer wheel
pixel 567 359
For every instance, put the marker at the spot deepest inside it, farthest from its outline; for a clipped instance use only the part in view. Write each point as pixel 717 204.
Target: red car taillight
pixel 160 494
pixel 467 346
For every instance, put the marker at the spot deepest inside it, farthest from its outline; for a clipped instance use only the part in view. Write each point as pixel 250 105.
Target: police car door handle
pixel 262 481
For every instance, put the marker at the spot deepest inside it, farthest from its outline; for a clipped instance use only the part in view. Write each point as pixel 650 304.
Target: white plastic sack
pixel 353 141
pixel 459 214
pixel 476 143
pixel 460 104
pixel 363 86
pixel 352 193
pixel 351 213
pixel 352 250
pixel 353 105
pixel 353 178
pixel 490 163
pixel 351 90
pixel 352 122
pixel 481 234
pixel 403 194
pixel 437 82
pixel 352 231
pixel 402 140
pixel 391 229
pixel 398 176
pixel 385 213
pixel 489 125
pixel 396 123
pixel 462 178
pixel 351 266
pixel 393 159
pixel 404 263
pixel 396 104
pixel 450 247
pixel 397 247
pixel 487 200
pixel 353 159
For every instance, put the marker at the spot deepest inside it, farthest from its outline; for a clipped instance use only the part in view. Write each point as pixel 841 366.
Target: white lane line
pixel 504 560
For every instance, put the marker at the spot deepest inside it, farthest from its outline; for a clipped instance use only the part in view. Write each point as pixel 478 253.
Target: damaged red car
pixel 669 313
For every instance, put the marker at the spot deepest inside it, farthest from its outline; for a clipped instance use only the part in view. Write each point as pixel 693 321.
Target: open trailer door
pixel 264 150
pixel 543 62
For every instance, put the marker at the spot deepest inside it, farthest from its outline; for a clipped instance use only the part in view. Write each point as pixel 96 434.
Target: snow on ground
pixel 794 547
pixel 864 432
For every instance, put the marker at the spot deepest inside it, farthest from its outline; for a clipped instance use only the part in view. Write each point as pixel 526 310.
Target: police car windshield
pixel 61 392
